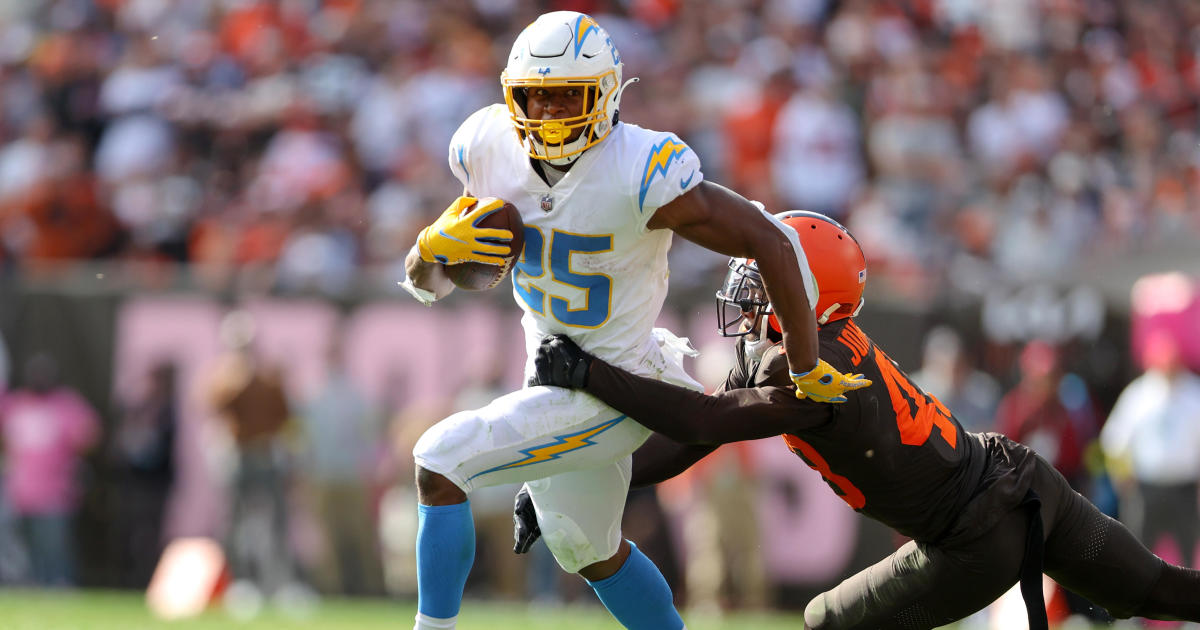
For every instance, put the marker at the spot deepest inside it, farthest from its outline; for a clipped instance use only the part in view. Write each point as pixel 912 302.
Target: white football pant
pixel 574 451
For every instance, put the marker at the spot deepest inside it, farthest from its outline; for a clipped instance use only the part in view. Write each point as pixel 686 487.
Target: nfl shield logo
pixel 547 203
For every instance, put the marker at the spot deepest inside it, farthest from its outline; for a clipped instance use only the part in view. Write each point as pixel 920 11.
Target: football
pixel 474 276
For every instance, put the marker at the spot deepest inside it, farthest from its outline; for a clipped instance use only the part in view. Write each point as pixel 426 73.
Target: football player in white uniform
pixel 599 199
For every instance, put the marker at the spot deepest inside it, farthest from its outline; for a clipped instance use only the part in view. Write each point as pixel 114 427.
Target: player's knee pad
pixel 438 451
pixel 571 545
pixel 437 439
pixel 1173 590
pixel 580 511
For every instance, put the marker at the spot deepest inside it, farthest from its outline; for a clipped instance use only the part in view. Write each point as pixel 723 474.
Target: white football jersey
pixel 590 269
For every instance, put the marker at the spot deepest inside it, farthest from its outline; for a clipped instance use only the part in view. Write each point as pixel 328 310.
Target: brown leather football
pixel 474 276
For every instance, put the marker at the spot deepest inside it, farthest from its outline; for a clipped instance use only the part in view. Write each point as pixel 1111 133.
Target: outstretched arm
pixel 684 415
pixel 722 220
pixel 660 458
pixel 690 417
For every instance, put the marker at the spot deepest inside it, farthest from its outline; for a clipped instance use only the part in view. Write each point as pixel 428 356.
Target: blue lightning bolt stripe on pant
pixel 554 449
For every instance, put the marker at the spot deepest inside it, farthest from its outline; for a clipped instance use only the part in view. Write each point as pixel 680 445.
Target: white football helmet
pixel 559 49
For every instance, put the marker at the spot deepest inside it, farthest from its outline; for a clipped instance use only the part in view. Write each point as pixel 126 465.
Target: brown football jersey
pixel 891 451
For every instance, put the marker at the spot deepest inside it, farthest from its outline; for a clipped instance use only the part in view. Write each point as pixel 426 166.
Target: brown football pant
pixel 928 585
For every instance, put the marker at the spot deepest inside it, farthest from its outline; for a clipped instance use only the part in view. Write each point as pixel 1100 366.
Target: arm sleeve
pixel 665 170
pixel 690 417
pixel 660 458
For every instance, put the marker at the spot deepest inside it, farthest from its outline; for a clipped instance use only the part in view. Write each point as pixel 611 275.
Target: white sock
pixel 433 623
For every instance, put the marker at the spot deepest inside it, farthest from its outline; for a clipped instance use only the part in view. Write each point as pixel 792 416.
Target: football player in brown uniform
pixel 983 512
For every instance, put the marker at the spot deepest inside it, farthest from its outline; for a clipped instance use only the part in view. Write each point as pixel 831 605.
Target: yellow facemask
pixel 548 139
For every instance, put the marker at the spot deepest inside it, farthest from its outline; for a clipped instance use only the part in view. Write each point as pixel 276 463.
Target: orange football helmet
pixel 837 263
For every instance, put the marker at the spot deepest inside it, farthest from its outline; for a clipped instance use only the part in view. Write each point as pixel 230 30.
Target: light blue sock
pixel 445 553
pixel 638 595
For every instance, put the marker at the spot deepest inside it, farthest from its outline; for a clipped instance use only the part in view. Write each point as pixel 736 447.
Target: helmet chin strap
pixel 824 317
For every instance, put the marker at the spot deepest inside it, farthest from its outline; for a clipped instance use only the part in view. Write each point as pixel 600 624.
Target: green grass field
pixel 107 610
pixel 112 610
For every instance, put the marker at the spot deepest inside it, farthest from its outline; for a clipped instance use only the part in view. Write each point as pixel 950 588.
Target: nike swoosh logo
pixel 457 240
pixel 683 183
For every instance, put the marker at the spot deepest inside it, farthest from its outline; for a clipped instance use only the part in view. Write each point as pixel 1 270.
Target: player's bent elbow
pixel 773 245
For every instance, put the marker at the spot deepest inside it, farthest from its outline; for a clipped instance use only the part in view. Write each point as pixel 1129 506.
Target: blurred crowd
pixel 292 144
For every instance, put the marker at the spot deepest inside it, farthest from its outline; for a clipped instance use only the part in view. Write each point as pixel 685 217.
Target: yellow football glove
pixel 825 384
pixel 456 238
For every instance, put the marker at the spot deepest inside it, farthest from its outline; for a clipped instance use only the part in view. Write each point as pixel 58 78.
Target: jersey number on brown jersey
pixel 916 415
pixel 916 412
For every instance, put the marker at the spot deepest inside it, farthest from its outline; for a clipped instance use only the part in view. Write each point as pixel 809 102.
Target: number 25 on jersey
pixel 532 283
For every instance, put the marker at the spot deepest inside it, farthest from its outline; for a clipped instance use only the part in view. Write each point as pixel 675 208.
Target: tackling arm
pixel 660 458
pixel 692 418
pixel 721 220
pixel 682 414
